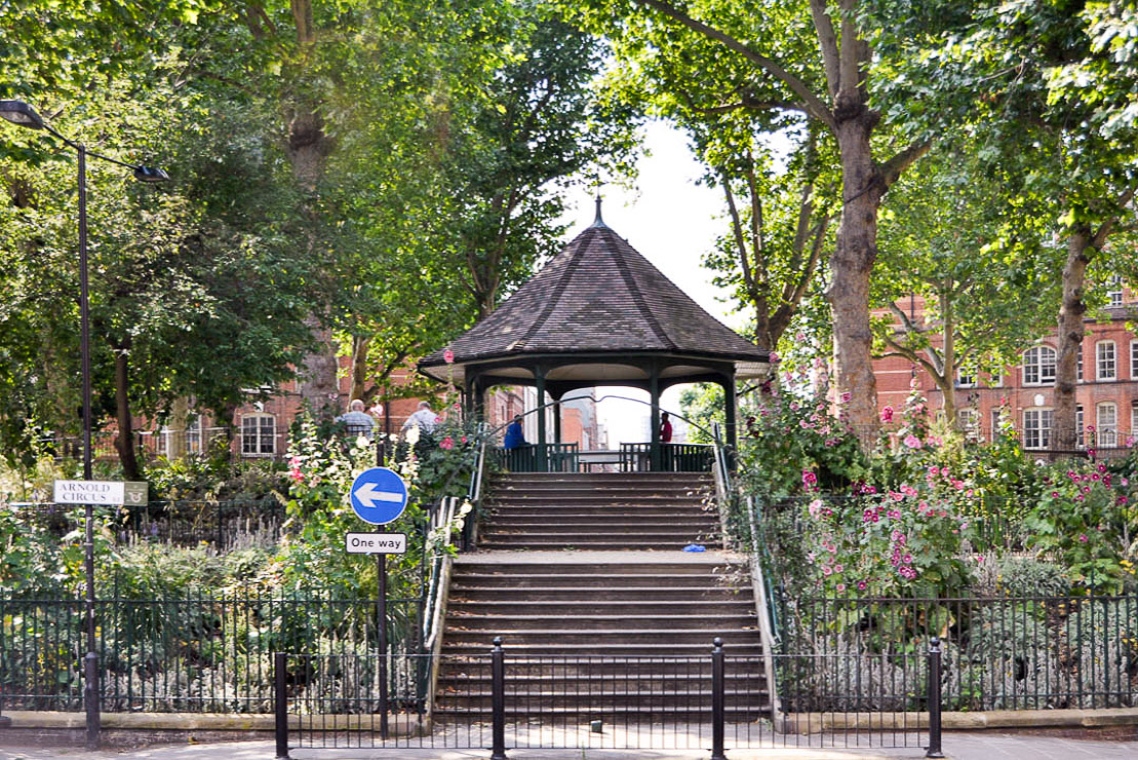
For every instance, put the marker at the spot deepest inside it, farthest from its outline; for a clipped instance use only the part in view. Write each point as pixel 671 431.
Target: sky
pixel 672 222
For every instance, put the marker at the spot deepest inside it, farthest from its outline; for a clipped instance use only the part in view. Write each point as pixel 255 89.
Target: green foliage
pixel 1081 519
pixel 792 442
pixel 906 543
pixel 1031 577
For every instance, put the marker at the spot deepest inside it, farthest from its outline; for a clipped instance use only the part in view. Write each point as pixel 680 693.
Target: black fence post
pixel 280 703
pixel 498 699
pixel 718 699
pixel 933 689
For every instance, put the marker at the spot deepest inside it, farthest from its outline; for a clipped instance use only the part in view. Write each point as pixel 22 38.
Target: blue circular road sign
pixel 379 495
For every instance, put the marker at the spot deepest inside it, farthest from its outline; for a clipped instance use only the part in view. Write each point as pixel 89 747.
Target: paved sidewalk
pixel 985 745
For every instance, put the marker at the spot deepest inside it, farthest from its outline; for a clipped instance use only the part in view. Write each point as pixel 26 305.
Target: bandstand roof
pixel 598 313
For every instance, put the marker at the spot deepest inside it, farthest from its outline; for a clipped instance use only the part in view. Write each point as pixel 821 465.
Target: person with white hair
pixel 356 421
pixel 424 418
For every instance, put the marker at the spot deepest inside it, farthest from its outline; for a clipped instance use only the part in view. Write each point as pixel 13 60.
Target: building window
pixel 258 435
pixel 1037 428
pixel 1114 291
pixel 1079 367
pixel 965 378
pixel 1134 360
pixel 969 422
pixel 1039 366
pixel 1104 359
pixel 1106 417
pixel 1080 431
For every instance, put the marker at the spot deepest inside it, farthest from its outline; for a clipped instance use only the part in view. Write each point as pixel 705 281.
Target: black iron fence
pixel 203 654
pixel 222 524
pixel 508 700
pixel 1000 653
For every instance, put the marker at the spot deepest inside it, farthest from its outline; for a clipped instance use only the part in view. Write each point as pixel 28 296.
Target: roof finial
pixel 599 221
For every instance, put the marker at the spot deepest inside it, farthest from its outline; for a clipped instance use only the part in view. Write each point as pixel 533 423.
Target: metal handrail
pixel 767 631
pixel 724 494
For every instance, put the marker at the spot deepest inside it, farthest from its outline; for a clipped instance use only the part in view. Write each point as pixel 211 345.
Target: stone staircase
pixel 599 610
pixel 606 511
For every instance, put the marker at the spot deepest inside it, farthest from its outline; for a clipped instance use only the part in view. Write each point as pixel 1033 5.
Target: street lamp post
pixel 22 114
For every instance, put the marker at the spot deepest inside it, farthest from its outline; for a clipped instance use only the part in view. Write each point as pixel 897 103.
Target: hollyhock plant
pixel 906 541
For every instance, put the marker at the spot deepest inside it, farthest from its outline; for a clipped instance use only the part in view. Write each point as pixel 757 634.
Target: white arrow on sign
pixel 368 495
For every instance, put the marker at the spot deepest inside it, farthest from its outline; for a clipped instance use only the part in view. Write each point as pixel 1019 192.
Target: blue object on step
pixel 694 548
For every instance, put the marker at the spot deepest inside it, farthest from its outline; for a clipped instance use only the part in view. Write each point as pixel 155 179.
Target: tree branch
pixel 813 104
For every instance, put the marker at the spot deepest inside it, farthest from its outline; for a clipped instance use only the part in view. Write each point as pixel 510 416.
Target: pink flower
pixel 912 441
pixel 846 397
pixel 446 443
pixel 862 585
pixel 809 479
pixel 887 414
pixel 448 356
pixel 1083 538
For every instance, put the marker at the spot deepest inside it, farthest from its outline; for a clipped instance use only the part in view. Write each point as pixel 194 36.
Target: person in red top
pixel 665 428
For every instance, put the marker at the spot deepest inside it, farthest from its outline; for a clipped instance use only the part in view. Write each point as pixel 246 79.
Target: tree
pixel 958 235
pixel 811 59
pixel 780 224
pixel 1004 78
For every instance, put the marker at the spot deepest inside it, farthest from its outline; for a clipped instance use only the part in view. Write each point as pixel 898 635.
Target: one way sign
pixel 379 495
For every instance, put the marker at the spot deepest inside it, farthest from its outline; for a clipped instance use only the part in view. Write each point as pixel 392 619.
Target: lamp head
pixel 19 112
pixel 150 174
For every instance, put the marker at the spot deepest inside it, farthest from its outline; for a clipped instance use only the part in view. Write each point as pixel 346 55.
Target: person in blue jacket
pixel 515 437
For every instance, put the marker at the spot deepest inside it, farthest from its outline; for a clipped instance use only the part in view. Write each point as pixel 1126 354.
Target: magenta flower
pixel 912 441
pixel 446 443
pixel 887 414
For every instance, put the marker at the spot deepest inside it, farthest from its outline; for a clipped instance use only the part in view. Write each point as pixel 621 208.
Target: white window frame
pixel 258 435
pixel 1134 360
pixel 1106 424
pixel 1037 425
pixel 968 420
pixel 1079 367
pixel 1039 365
pixel 965 380
pixel 1106 361
pixel 1114 291
pixel 1080 428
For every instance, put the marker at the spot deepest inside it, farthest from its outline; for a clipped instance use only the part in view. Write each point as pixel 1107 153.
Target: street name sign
pixel 378 495
pixel 375 543
pixel 105 492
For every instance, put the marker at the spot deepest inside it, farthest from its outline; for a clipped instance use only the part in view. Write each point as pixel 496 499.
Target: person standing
pixel 665 428
pixel 356 421
pixel 515 437
pixel 424 418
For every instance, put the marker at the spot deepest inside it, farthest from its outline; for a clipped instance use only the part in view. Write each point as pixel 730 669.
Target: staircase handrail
pixel 442 559
pixel 764 611
pixel 724 493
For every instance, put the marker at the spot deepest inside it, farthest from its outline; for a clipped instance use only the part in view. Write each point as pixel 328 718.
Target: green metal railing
pixel 202 654
pixel 1000 653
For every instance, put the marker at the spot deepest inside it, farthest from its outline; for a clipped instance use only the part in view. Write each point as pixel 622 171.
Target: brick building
pixel 1106 398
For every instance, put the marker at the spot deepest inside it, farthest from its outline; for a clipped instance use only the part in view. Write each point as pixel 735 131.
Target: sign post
pixel 89 494
pixel 379 496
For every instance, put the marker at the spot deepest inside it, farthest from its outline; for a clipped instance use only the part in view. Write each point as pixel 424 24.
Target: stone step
pixel 637 623
pixel 461 607
pixel 518 637
pixel 687 703
pixel 595 544
pixel 598 595
pixel 477 646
